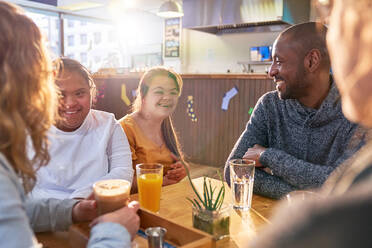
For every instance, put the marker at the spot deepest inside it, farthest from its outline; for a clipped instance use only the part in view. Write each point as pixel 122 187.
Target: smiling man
pixel 297 135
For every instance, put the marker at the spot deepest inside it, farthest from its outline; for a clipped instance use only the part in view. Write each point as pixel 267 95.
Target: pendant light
pixel 170 9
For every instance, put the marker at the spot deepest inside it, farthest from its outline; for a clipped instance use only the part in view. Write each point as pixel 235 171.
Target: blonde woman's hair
pixel 27 95
pixel 167 128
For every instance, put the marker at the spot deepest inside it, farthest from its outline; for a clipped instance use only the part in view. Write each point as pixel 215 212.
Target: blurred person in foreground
pixel 343 216
pixel 149 127
pixel 28 104
pixel 297 132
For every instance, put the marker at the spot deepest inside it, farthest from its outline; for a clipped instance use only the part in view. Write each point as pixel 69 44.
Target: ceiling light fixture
pixel 82 5
pixel 170 9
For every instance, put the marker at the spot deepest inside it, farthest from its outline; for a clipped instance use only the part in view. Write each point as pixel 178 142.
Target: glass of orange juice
pixel 149 181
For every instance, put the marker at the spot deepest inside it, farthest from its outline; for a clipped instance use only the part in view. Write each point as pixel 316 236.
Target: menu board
pixel 172 37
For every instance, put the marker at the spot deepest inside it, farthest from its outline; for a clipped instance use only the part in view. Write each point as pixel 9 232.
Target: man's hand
pixel 84 210
pixel 254 153
pixel 126 216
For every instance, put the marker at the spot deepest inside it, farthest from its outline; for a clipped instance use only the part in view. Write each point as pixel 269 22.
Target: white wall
pixel 209 53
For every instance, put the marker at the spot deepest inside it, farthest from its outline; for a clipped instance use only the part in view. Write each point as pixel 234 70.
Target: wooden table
pixel 175 207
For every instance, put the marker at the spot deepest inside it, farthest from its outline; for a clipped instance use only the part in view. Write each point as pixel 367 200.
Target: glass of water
pixel 242 179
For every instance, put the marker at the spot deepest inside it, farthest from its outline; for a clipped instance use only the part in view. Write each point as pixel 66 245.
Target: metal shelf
pixel 247 64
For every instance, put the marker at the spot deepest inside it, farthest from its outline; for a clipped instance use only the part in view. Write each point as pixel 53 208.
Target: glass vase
pixel 216 223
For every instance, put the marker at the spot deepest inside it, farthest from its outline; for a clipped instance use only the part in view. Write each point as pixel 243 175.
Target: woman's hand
pixel 167 181
pixel 176 172
pixel 126 216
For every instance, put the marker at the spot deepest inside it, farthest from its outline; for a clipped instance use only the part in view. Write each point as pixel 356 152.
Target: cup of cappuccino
pixel 111 194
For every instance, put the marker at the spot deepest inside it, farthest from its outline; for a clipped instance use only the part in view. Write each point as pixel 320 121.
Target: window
pixel 48 23
pixel 70 23
pixel 97 38
pixel 70 40
pixel 102 44
pixel 146 60
pixel 83 58
pixel 83 39
pixel 90 47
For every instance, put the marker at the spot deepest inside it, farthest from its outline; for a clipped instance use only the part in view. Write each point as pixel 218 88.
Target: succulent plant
pixel 206 200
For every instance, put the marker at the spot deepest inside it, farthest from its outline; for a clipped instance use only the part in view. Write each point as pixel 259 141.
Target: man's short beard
pixel 286 94
pixel 298 89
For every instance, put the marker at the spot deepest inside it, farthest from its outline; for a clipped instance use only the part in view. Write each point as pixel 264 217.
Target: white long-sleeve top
pixel 97 150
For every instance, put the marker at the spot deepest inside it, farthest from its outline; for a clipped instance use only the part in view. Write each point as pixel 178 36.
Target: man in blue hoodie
pixel 297 132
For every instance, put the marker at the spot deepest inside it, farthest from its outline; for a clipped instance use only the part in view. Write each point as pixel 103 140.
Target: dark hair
pixel 72 65
pixel 307 36
pixel 167 128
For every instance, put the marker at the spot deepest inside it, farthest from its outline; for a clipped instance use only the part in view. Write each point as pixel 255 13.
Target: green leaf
pixel 191 202
pixel 211 194
pixel 207 202
pixel 205 193
pixel 218 198
pixel 222 198
pixel 191 183
pixel 197 203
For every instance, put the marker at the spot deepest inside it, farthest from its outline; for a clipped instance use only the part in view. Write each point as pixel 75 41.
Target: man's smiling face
pixel 288 70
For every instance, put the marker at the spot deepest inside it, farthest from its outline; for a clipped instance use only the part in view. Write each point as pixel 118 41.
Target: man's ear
pixel 312 60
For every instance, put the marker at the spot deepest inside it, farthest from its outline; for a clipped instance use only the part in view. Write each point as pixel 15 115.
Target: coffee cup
pixel 111 194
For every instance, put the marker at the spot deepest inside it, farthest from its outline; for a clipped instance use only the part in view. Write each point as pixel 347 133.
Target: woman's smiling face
pixel 162 96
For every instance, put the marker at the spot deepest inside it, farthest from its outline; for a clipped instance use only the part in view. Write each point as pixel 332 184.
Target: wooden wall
pixel 209 140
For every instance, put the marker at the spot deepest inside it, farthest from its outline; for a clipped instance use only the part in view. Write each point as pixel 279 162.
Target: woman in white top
pixel 86 145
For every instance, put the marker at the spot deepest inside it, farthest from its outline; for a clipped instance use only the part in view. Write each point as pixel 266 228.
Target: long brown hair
pixel 27 94
pixel 167 128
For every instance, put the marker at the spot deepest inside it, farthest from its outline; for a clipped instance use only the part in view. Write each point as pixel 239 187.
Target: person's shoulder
pixel 102 120
pixel 4 164
pixel 102 115
pixel 269 98
pixel 127 121
pixel 129 125
pixel 7 173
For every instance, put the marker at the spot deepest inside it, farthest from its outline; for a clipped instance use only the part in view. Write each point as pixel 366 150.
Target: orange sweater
pixel 143 149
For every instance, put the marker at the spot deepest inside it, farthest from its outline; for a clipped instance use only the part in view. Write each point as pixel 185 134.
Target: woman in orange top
pixel 149 127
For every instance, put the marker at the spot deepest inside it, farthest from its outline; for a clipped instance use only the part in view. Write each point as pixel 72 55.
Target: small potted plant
pixel 209 214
